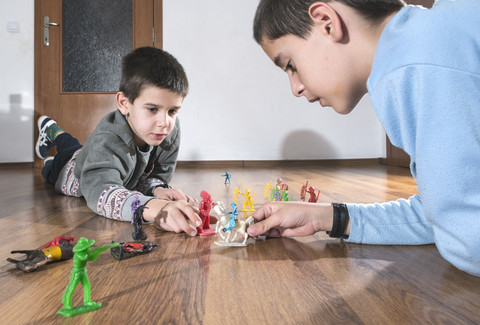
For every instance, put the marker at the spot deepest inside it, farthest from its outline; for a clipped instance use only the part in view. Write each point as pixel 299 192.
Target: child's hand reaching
pixel 173 195
pixel 176 216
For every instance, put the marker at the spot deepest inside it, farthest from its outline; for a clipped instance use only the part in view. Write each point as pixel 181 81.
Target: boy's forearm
pixel 153 208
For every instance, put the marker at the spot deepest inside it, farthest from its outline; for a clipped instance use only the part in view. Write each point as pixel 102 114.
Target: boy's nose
pixel 162 120
pixel 297 86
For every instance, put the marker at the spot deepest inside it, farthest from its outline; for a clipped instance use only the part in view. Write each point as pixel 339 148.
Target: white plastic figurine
pixel 242 229
pixel 221 213
pixel 219 210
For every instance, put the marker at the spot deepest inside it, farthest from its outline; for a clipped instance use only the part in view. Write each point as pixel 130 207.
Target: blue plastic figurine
pixel 233 219
pixel 227 176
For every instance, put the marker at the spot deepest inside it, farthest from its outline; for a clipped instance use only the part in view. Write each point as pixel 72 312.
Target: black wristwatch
pixel 150 192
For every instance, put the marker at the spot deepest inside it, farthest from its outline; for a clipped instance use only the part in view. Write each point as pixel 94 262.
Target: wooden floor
pixel 310 280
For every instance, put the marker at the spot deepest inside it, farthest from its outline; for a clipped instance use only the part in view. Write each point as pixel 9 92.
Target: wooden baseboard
pixel 16 165
pixel 249 163
pixel 279 163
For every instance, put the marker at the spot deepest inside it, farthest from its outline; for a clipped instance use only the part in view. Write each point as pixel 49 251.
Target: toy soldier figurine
pixel 248 201
pixel 137 219
pixel 205 207
pixel 313 197
pixel 82 255
pixel 228 176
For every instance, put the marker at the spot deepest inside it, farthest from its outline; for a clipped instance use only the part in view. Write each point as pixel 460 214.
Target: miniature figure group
pixel 280 192
pixel 226 225
pixel 311 190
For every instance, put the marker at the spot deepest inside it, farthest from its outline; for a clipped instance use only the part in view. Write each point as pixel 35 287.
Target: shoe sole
pixel 37 145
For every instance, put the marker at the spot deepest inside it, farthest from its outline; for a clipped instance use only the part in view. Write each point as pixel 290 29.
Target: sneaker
pixel 44 144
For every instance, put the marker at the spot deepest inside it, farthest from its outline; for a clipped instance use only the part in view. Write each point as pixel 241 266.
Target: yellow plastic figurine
pixel 268 189
pixel 248 201
pixel 83 254
pixel 235 193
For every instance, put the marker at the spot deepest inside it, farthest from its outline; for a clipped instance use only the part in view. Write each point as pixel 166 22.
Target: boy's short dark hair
pixel 150 66
pixel 277 18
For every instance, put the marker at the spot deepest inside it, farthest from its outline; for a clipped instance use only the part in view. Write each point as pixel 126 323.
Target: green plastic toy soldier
pixel 82 254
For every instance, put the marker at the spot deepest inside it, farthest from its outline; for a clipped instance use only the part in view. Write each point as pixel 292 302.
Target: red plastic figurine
pixel 303 192
pixel 56 241
pixel 313 198
pixel 205 206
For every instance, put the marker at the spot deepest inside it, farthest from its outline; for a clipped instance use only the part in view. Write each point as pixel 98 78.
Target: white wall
pixel 16 81
pixel 240 106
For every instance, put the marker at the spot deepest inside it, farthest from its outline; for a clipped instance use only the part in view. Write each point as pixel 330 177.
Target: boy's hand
pixel 291 219
pixel 176 216
pixel 173 195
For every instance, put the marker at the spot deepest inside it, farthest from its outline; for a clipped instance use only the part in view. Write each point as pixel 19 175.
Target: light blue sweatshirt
pixel 425 88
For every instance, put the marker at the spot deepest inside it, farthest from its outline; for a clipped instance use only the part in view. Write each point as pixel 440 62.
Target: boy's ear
pixel 327 19
pixel 122 103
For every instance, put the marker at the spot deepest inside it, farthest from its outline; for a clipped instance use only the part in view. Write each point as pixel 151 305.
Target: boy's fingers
pixel 213 219
pixel 262 213
pixel 175 220
pixel 191 213
pixel 178 195
pixel 191 200
pixel 185 226
pixel 260 228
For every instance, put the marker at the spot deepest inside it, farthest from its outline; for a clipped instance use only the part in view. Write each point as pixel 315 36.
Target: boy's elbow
pixel 463 254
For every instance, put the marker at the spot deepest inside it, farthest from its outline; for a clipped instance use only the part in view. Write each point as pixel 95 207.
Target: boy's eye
pixel 173 111
pixel 152 109
pixel 289 67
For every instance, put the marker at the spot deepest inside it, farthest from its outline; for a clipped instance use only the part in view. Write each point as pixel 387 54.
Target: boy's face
pixel 318 69
pixel 153 114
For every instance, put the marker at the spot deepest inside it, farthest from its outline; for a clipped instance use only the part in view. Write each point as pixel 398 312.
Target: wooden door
pixel 78 100
pixel 396 156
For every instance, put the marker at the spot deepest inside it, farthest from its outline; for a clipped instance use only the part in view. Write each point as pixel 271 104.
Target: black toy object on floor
pixel 131 249
pixel 38 257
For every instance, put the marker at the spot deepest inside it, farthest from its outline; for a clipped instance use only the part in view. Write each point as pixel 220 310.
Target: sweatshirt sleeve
pixel 400 222
pixel 434 114
pixel 106 168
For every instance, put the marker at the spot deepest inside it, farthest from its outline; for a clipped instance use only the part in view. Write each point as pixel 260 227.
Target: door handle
pixel 46 30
